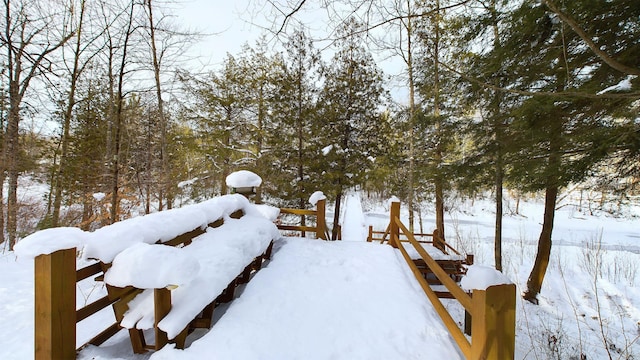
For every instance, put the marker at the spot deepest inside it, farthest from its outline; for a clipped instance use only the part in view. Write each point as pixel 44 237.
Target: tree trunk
pixel 412 114
pixel 439 182
pixel 534 283
pixel 71 101
pixel 115 186
pixel 336 216
pixel 12 152
pixel 439 207
pixel 164 158
pixel 499 171
pixel 497 249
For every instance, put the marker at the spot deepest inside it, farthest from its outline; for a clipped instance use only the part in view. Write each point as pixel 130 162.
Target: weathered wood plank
pixel 105 334
pixel 462 297
pixel 88 271
pixel 494 323
pixel 162 306
pixel 297 211
pixel 448 321
pixel 93 308
pixel 55 305
pixel 296 228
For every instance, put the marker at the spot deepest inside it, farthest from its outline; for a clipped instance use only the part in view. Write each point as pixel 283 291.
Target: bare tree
pixel 161 114
pixel 33 31
pixel 119 110
pixel 81 55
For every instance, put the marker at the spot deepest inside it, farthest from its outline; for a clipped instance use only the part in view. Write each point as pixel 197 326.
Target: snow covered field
pixel 589 305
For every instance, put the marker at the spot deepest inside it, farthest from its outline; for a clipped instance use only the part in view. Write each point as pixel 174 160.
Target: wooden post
pixel 162 306
pixel 370 237
pixel 394 231
pixel 494 323
pixel 321 220
pixel 55 305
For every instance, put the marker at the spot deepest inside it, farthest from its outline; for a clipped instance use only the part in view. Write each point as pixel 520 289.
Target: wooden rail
pixel 56 316
pixel 492 310
pixel 320 229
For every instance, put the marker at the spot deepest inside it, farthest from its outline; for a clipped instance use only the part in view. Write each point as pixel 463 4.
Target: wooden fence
pixel 320 229
pixel 492 311
pixel 56 316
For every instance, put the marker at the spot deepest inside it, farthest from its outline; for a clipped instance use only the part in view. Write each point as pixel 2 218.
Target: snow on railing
pixel 317 199
pixel 105 243
pixel 143 265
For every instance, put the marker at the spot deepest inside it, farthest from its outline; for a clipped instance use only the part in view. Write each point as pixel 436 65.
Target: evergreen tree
pixel 262 76
pixel 349 106
pixel 560 135
pixel 292 138
pixel 440 110
pixel 217 108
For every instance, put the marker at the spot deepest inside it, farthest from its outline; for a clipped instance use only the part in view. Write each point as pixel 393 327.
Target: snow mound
pixel 243 178
pixel 315 197
pixel 131 267
pixel 268 211
pixel 51 240
pixel 481 277
pixel 393 199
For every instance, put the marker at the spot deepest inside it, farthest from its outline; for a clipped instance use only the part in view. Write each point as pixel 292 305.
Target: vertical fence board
pixel 321 220
pixel 162 306
pixel 394 231
pixel 494 323
pixel 55 305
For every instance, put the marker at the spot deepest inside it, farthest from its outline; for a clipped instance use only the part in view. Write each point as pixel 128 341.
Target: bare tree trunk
pixel 497 249
pixel 115 186
pixel 536 277
pixel 71 101
pixel 336 216
pixel 499 171
pixel 11 162
pixel 534 283
pixel 164 158
pixel 439 181
pixel 412 114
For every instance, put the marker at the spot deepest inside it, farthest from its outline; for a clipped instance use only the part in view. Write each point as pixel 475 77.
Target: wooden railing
pixel 437 241
pixel 320 229
pixel 492 311
pixel 56 316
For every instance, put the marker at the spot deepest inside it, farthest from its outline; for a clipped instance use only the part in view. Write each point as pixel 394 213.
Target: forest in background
pixel 533 96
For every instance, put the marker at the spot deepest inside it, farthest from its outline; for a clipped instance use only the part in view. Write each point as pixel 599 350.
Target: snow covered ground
pixel 589 305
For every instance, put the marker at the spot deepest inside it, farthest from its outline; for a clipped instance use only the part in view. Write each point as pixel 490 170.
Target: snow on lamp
pixel 243 182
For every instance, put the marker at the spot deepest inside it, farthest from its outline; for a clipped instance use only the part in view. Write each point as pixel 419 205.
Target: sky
pixel 231 24
pixel 226 22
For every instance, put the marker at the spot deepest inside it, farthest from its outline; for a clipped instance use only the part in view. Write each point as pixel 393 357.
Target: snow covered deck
pixel 327 300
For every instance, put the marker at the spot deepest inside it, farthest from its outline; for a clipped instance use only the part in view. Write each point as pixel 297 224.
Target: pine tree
pixel 218 106
pixel 557 138
pixel 293 150
pixel 439 111
pixel 349 105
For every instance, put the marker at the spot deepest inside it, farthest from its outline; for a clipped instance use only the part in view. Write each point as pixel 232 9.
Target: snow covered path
pixel 327 300
pixel 354 227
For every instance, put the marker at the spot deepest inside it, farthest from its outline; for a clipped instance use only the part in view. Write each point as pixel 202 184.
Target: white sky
pixel 227 22
pixel 234 23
